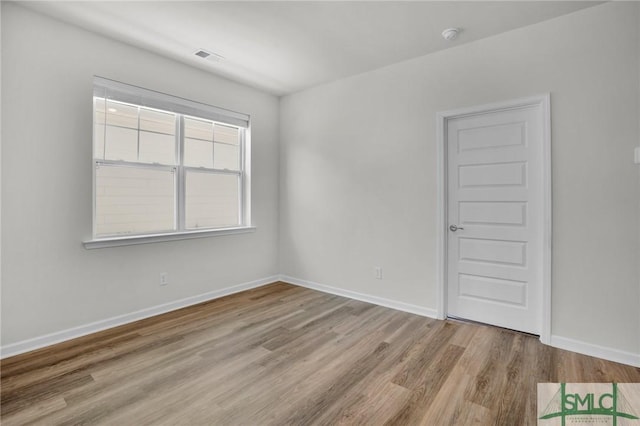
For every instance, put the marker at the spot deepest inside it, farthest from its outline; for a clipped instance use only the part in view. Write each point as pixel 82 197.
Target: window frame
pixel 182 108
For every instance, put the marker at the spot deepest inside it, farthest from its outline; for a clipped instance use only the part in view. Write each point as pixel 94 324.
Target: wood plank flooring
pixel 285 355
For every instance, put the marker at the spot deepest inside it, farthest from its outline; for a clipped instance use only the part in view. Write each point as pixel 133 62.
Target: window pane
pixel 198 153
pixel 122 144
pixel 198 129
pixel 226 156
pixel 99 110
pixel 226 134
pixel 211 200
pixel 157 148
pixel 123 115
pixel 132 200
pixel 98 141
pixel 156 121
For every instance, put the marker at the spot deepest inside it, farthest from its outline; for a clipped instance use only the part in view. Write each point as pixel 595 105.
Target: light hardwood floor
pixel 282 354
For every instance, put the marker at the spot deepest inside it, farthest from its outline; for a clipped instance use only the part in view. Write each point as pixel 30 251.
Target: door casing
pixel 540 101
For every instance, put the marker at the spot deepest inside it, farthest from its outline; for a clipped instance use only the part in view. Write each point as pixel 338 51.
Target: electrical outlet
pixel 164 278
pixel 377 272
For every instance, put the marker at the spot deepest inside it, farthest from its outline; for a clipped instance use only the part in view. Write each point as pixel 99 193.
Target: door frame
pixel 543 102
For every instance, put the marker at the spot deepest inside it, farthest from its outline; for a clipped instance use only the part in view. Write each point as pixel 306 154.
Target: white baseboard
pixel 393 304
pixel 590 349
pixel 28 345
pixel 72 333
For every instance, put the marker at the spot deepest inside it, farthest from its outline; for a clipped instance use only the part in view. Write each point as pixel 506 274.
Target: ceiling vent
pixel 209 56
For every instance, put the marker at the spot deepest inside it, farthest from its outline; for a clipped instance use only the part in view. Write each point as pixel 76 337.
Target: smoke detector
pixel 450 34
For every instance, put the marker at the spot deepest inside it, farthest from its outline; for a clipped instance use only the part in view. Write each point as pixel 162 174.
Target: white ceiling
pixel 283 47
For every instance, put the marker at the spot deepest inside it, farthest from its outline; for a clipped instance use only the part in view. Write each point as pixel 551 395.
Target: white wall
pixel 49 281
pixel 358 169
pixel 638 146
pixel 357 180
pixel 0 166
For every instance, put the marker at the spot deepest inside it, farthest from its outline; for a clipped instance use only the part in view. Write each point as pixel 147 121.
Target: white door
pixel 495 213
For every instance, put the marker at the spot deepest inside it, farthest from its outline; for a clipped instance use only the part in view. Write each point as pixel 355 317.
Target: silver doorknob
pixel 454 228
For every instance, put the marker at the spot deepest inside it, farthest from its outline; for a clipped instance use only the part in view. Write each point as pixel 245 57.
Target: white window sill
pixel 157 238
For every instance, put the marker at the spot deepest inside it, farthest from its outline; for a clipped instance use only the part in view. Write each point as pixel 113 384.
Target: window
pixel 165 165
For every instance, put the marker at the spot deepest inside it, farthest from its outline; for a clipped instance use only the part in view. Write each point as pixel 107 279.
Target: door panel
pixel 492 213
pixel 496 136
pixel 493 289
pixel 493 175
pixel 494 197
pixel 493 251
